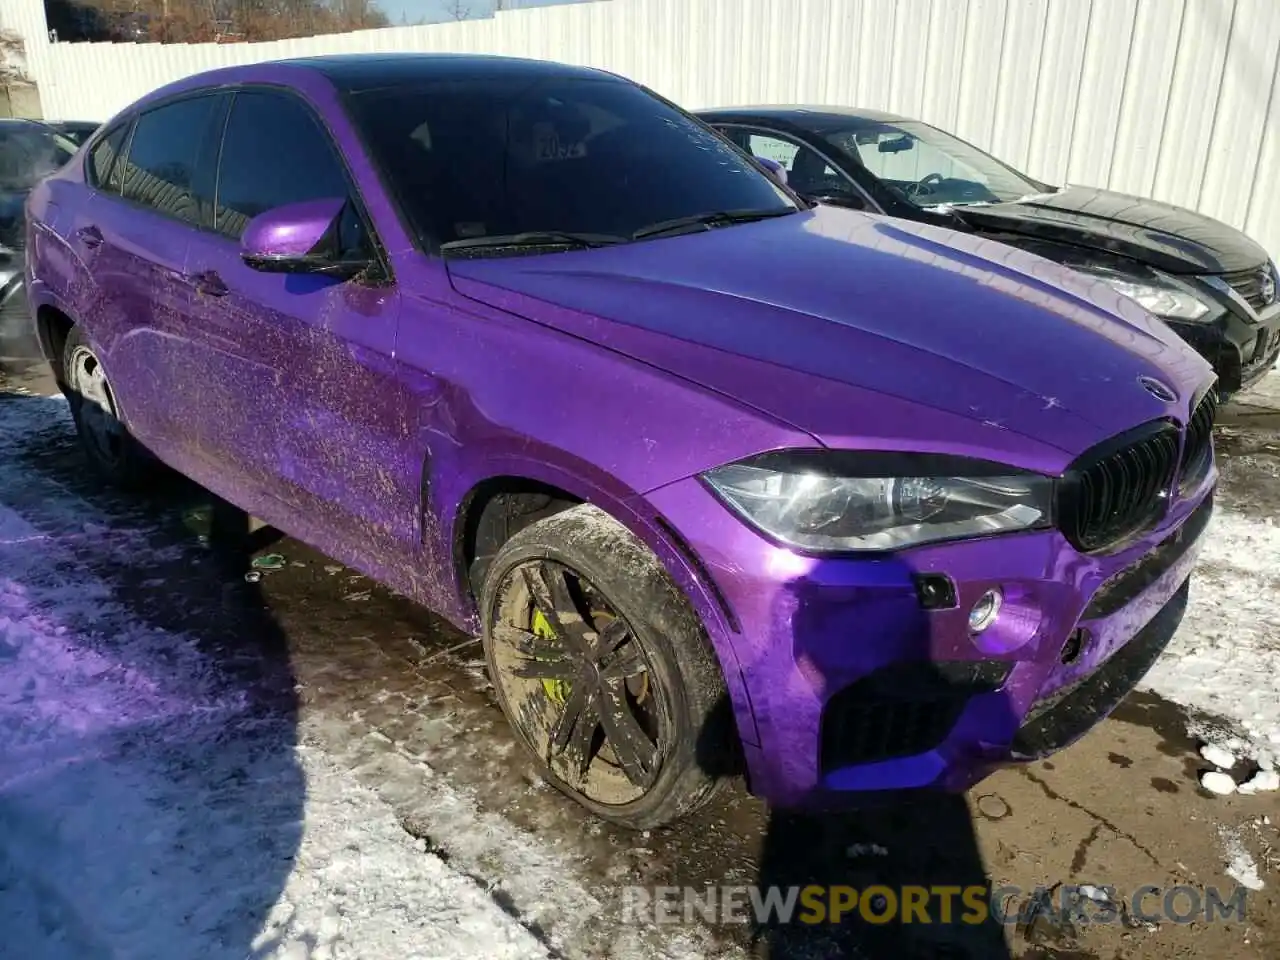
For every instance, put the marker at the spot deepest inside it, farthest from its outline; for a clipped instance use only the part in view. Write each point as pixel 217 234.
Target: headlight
pixel 1166 299
pixel 880 502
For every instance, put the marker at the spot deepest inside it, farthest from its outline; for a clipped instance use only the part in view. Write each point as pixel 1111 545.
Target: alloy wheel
pixel 96 409
pixel 581 688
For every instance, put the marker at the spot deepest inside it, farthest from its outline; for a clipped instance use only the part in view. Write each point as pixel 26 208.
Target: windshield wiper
pixel 533 240
pixel 709 221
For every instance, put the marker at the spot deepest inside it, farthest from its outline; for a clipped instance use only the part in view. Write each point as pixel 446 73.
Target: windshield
pixel 929 168
pixel 498 157
pixel 28 153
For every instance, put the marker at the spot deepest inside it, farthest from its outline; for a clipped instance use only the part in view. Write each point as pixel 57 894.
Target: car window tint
pixel 160 169
pixel 497 156
pixel 115 182
pixel 103 156
pixel 273 153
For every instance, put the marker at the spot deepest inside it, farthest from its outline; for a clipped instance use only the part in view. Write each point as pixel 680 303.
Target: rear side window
pixel 103 157
pixel 274 152
pixel 160 170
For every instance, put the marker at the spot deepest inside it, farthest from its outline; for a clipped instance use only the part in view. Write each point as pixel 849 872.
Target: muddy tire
pixel 112 452
pixel 604 670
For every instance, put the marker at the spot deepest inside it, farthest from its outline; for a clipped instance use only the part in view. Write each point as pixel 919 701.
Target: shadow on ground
pixel 150 798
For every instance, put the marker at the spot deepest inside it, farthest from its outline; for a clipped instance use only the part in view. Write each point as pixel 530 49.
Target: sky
pixel 428 11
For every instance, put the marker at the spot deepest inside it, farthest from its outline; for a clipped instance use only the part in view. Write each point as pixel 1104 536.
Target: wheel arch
pixel 511 495
pixel 53 325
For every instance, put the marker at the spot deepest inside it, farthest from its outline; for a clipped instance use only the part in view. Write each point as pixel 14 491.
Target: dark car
pixel 29 150
pixel 77 131
pixel 1208 281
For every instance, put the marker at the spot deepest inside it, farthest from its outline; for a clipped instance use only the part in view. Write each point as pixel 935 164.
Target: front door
pixel 301 372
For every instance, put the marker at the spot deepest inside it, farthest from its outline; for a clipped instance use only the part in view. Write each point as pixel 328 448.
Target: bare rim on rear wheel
pixel 97 410
pixel 579 685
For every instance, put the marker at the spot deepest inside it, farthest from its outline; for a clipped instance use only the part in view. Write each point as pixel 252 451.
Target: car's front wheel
pixel 604 670
pixel 108 445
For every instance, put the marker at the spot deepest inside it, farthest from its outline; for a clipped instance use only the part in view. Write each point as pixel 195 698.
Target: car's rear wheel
pixel 110 449
pixel 604 670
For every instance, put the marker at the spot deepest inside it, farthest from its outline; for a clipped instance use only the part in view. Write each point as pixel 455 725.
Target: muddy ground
pixel 401 700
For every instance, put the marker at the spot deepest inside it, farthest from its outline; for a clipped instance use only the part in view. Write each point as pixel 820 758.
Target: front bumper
pixel 1241 352
pixel 848 684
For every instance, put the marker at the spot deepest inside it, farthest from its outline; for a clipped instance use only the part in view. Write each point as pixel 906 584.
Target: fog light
pixel 985 611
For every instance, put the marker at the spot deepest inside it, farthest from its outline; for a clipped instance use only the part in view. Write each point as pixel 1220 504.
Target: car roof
pixel 801 115
pixel 351 73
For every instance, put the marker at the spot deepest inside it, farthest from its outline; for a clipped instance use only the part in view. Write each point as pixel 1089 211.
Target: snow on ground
pixel 147 810
pixel 1266 392
pixel 151 808
pixel 1225 659
pixel 1241 866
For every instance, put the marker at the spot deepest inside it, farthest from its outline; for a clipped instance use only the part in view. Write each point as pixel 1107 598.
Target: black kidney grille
pixel 1120 489
pixel 1197 449
pixel 1248 283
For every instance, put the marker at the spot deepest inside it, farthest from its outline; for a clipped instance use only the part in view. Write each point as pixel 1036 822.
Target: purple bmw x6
pixel 867 504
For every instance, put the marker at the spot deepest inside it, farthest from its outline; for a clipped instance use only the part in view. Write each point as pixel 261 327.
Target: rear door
pixel 299 368
pixel 132 234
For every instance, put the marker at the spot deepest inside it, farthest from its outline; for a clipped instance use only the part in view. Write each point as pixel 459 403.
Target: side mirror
pixel 774 169
pixel 299 238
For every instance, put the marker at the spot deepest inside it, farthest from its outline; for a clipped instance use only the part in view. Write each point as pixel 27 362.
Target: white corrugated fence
pixel 1167 98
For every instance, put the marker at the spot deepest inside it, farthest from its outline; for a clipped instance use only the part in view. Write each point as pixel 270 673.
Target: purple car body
pixel 371 419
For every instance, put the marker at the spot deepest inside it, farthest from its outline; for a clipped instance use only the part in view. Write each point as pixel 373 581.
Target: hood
pixel 782 313
pixel 1158 234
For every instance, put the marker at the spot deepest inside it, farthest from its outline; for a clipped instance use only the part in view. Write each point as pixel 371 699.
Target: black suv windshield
pixel 29 152
pixel 548 159
pixel 929 168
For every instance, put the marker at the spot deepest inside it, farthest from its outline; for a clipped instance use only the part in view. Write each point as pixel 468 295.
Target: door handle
pixel 90 236
pixel 208 282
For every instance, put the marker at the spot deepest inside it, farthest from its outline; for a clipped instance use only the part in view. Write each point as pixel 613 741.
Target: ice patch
pixel 1240 865
pixel 1261 782
pixel 1219 757
pixel 1217 782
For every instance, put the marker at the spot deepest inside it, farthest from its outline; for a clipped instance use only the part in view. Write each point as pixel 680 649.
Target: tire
pixel 112 452
pixel 677 700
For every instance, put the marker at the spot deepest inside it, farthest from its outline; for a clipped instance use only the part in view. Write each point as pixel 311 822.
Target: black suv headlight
pixel 837 502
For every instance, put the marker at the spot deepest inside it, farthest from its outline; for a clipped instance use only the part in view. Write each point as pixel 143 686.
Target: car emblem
pixel 1268 288
pixel 1157 389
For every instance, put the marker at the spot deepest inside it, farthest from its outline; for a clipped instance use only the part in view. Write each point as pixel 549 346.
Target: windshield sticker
pixel 548 148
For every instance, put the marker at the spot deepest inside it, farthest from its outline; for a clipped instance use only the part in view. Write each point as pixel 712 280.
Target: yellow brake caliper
pixel 556 690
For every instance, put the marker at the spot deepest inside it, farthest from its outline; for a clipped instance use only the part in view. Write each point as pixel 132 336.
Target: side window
pixel 274 152
pixel 103 158
pixel 807 172
pixel 160 169
pixel 771 148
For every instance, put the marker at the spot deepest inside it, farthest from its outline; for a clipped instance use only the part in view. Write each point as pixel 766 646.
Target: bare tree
pixel 11 58
pixel 458 9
